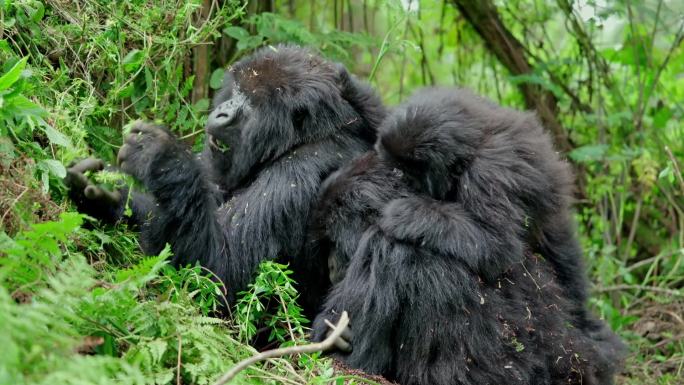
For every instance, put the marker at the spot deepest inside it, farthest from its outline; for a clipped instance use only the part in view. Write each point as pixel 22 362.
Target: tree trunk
pixel 200 57
pixel 484 18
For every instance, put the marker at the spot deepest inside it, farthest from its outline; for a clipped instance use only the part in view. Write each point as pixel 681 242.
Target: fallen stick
pixel 310 348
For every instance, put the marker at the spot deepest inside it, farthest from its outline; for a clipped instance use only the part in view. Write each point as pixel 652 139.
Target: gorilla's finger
pixel 88 164
pixel 75 179
pixel 97 193
pixel 124 152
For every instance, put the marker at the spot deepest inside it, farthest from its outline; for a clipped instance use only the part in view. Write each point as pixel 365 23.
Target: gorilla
pixel 284 120
pixel 452 248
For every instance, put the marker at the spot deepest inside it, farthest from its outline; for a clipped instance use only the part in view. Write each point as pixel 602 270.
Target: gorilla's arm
pixel 186 202
pixel 265 220
pixel 487 239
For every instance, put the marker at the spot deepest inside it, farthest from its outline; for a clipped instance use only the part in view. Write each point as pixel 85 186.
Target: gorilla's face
pixel 271 102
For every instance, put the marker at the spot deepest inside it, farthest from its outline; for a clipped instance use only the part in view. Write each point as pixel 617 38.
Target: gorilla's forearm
pixel 184 212
pixel 448 228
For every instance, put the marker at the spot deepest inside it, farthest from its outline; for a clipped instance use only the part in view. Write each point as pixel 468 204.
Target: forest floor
pixel 658 327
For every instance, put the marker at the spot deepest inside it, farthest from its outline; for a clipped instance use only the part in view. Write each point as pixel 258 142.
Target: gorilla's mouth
pixel 217 144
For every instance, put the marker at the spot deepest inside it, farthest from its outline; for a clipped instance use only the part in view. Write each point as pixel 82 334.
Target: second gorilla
pixel 430 240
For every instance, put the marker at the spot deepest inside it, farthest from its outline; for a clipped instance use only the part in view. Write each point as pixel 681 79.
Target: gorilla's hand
pixel 143 147
pixel 79 183
pixel 90 198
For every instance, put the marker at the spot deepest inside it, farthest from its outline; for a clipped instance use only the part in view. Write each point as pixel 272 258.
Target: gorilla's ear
pixel 361 97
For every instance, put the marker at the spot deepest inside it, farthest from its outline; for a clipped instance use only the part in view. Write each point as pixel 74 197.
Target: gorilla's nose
pixel 224 114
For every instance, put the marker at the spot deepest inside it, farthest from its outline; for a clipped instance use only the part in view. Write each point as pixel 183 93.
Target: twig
pixel 310 348
pixel 287 319
pixel 178 365
pixel 632 229
pixel 402 71
pixel 221 292
pixel 675 164
pixel 383 50
pixel 14 202
pixel 675 317
pixel 528 273
pixel 675 293
pixel 648 261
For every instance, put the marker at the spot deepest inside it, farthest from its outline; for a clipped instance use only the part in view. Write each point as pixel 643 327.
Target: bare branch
pixel 655 289
pixel 310 348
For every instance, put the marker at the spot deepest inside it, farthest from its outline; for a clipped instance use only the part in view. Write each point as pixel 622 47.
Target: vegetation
pixel 79 304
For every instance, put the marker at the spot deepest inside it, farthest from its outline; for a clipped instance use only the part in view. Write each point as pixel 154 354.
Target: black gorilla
pixel 431 242
pixel 283 121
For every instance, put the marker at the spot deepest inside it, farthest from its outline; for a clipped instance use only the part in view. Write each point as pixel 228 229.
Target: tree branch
pixel 310 348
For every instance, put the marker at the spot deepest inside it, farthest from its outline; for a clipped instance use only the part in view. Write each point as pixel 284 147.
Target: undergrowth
pixel 63 320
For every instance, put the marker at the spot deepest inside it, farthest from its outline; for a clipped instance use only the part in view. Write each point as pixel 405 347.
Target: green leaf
pixel 12 75
pixel 216 80
pixel 38 13
pixel 45 180
pixel 56 137
pixel 661 117
pixel 202 105
pixel 9 22
pixel 24 106
pixel 539 80
pixel 4 46
pixel 668 174
pixel 249 42
pixel 588 153
pixel 54 166
pixel 237 33
pixel 133 60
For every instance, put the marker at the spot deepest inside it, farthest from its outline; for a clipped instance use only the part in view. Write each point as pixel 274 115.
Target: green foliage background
pixel 83 306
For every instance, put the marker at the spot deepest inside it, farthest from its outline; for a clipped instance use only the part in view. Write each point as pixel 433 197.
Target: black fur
pixel 283 121
pixel 431 242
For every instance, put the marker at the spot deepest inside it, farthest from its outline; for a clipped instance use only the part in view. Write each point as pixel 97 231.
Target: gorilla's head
pixel 433 137
pixel 278 99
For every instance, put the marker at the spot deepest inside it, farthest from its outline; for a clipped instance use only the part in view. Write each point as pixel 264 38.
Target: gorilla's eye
pixel 298 117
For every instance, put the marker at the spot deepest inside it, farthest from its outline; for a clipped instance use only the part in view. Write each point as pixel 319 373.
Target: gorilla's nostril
pixel 222 116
